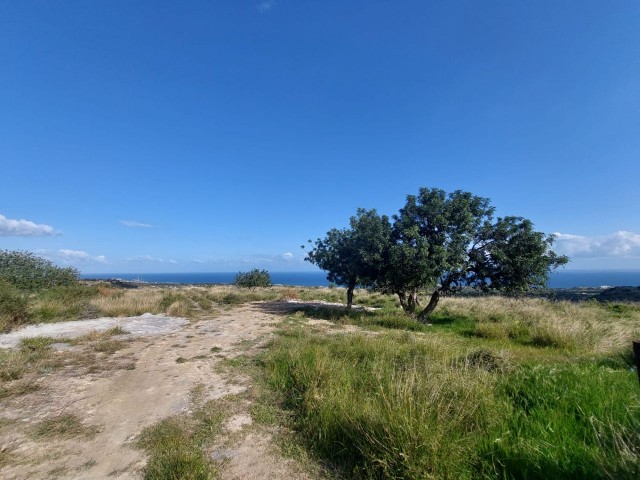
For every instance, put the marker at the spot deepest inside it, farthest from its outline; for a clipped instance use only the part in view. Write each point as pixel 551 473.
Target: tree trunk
pixel 350 296
pixel 423 316
pixel 409 302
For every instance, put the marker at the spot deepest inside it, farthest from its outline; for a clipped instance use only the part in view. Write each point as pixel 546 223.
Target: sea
pixel 561 279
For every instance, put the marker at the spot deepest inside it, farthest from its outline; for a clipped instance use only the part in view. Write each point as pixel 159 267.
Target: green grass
pixel 458 400
pixel 387 318
pixel 566 421
pixel 176 446
pixel 384 407
pixel 63 303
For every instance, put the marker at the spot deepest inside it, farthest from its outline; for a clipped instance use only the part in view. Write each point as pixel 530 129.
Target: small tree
pixel 26 271
pixel 254 278
pixel 353 256
pixel 442 242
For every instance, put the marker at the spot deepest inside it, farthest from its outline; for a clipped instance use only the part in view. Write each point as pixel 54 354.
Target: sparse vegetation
pixel 63 426
pixel 176 445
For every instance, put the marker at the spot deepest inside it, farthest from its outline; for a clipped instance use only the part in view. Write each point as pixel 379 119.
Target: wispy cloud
pixel 287 256
pixel 150 259
pixel 617 244
pixel 67 256
pixel 23 228
pixel 79 256
pixel 265 6
pixel 134 224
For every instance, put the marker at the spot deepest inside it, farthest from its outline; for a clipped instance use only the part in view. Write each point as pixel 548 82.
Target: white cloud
pixel 23 228
pixel 74 257
pixel 149 258
pixel 265 6
pixel 134 224
pixel 287 256
pixel 617 244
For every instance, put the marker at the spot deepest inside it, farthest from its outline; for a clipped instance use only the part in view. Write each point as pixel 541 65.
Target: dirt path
pixel 122 402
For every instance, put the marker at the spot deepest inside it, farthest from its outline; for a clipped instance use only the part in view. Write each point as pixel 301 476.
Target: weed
pixel 109 346
pixel 62 426
pixel 175 445
pixel 18 387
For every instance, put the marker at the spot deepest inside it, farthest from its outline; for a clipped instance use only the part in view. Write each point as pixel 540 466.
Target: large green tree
pixel 442 242
pixel 355 255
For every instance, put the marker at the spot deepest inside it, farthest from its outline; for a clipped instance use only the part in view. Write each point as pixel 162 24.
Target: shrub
pixel 14 308
pixel 252 279
pixel 26 271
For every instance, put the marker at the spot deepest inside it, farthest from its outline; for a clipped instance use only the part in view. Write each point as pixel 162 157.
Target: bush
pixel 14 308
pixel 26 271
pixel 252 279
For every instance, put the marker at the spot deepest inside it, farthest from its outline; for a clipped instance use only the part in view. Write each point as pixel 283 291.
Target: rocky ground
pixel 155 379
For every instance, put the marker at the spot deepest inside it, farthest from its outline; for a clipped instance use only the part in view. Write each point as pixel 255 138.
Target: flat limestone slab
pixel 146 324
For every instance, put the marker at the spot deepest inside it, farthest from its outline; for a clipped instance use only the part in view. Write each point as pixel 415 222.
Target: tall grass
pixel 385 407
pixel 129 302
pixel 566 421
pixel 587 326
pixel 400 406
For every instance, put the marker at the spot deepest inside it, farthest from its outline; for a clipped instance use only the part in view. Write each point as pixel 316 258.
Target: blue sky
pixel 157 136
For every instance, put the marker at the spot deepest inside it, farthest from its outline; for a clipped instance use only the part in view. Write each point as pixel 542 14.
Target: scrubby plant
pixel 254 278
pixel 14 308
pixel 26 271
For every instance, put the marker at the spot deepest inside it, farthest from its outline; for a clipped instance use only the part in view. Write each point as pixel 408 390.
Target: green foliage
pixel 353 256
pixel 440 242
pixel 447 241
pixel 29 272
pixel 254 278
pixel 14 306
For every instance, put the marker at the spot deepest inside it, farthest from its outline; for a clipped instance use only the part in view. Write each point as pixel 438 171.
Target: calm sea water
pixel 563 279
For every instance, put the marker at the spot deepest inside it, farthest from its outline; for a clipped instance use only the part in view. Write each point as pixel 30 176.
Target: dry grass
pixel 63 426
pixel 118 303
pixel 585 326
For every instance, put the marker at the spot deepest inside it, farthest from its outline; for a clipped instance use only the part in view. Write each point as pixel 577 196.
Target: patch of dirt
pixel 237 422
pixel 254 458
pixel 122 402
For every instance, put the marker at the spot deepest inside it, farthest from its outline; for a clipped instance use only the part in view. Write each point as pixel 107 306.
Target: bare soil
pixel 154 379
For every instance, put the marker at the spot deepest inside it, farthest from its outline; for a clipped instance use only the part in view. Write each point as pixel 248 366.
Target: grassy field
pixel 493 388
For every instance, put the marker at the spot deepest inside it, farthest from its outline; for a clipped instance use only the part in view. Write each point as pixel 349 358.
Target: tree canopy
pixel 438 243
pixel 353 256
